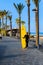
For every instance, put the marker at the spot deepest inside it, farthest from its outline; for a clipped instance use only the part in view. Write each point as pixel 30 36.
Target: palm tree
pixel 36 2
pixel 19 7
pixel 6 20
pixel 10 18
pixel 28 5
pixel 2 14
pixel 22 22
pixel 7 13
pixel 17 21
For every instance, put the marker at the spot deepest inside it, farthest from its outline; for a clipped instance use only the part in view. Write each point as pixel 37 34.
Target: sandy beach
pixel 40 40
pixel 40 37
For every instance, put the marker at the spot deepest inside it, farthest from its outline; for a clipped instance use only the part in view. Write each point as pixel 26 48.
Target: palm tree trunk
pixel 20 25
pixel 11 27
pixel 29 20
pixel 6 25
pixel 37 28
pixel 0 22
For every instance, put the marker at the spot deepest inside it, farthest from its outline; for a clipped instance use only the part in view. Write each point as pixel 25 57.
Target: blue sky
pixel 8 5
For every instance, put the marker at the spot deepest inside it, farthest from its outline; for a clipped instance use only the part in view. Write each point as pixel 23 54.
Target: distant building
pixel 14 32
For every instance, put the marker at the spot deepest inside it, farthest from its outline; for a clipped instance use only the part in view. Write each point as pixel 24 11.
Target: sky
pixel 8 6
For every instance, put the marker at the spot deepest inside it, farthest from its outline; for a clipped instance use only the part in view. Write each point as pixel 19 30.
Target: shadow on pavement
pixel 2 51
pixel 34 46
pixel 12 56
pixel 41 48
pixel 31 47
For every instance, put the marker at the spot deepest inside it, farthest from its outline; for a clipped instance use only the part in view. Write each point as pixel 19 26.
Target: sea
pixel 34 33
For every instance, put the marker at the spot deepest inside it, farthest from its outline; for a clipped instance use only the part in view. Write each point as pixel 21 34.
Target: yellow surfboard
pixel 23 32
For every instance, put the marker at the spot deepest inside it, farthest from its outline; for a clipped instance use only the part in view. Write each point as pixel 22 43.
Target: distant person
pixel 26 39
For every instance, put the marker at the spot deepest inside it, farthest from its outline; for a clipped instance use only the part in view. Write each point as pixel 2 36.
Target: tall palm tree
pixel 6 20
pixel 10 18
pixel 28 5
pixel 7 13
pixel 2 14
pixel 36 2
pixel 19 7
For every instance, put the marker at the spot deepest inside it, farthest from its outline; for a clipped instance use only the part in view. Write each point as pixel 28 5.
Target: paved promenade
pixel 11 53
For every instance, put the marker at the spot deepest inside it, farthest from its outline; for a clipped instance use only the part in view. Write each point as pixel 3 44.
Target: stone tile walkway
pixel 11 53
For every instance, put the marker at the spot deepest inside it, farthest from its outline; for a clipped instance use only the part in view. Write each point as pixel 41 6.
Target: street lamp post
pixel 28 5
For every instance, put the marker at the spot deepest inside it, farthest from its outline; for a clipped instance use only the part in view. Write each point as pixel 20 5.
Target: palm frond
pixel 23 22
pixel 15 6
pixel 20 7
pixel 10 17
pixel 8 12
